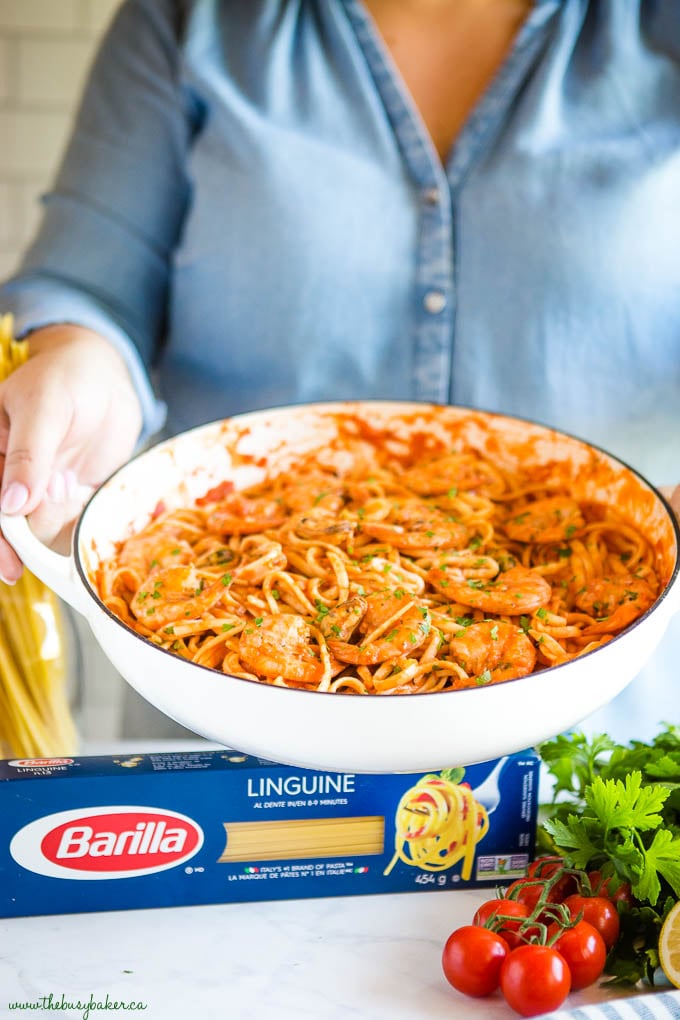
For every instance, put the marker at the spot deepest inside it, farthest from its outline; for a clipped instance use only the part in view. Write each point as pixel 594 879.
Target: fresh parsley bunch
pixel 616 809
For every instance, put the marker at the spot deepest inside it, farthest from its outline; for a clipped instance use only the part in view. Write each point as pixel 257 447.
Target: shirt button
pixel 434 302
pixel 431 196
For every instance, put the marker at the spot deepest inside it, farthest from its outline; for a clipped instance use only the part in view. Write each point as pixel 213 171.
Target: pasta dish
pixel 438 823
pixel 383 572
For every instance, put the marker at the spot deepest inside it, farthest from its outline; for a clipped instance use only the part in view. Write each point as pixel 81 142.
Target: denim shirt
pixel 250 207
pixel 252 199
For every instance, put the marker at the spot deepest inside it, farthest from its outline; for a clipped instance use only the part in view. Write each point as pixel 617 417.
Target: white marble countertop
pixel 346 958
pixel 372 957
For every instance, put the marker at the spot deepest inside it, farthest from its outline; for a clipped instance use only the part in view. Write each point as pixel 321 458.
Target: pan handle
pixel 53 569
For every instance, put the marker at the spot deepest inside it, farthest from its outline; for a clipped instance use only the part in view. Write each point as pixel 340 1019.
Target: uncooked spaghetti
pixel 35 718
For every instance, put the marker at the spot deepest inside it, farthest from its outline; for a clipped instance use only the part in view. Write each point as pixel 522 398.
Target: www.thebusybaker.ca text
pixel 84 1006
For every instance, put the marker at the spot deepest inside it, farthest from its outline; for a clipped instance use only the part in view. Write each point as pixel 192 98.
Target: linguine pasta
pixel 383 572
pixel 438 823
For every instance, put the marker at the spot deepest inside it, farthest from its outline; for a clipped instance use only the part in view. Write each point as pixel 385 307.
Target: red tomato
pixel 544 867
pixel 553 889
pixel 472 960
pixel 507 908
pixel 565 885
pixel 598 911
pixel 603 887
pixel 535 979
pixel 525 890
pixel 219 492
pixel 585 952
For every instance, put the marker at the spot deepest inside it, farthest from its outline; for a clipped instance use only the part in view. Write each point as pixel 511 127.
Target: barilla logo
pixel 106 842
pixel 39 763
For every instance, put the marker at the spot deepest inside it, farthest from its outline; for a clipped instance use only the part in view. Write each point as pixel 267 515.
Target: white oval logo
pixel 106 842
pixel 39 763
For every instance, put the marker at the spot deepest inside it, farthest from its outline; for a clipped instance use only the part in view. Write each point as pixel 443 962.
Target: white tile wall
pixel 51 72
pixel 40 15
pixel 5 70
pixel 97 14
pixel 6 204
pixel 46 47
pixel 31 142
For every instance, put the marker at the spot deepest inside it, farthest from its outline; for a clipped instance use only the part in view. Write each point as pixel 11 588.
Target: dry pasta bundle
pixel 438 823
pixel 298 838
pixel 35 718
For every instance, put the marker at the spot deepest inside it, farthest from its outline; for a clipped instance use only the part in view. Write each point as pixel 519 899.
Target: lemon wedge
pixel 669 946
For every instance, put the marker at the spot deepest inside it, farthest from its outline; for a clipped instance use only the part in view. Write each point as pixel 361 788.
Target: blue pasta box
pixel 217 826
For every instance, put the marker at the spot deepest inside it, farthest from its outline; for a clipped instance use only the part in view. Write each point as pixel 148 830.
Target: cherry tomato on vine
pixel 509 929
pixel 598 911
pixel 472 960
pixel 535 979
pixel 544 867
pixel 525 890
pixel 565 885
pixel 507 908
pixel 547 868
pixel 604 887
pixel 585 952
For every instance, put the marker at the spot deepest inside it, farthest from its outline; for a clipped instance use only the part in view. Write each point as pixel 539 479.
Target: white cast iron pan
pixel 356 733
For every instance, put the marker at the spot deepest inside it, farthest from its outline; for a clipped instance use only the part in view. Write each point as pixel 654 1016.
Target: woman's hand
pixel 68 417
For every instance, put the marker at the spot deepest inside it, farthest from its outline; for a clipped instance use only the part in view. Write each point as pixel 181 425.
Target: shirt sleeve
pixel 102 255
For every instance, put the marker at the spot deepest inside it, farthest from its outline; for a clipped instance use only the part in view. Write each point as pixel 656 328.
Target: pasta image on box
pixel 198 827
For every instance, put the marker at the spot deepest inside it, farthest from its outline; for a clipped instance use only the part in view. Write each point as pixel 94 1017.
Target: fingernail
pixel 56 489
pixel 6 580
pixel 14 498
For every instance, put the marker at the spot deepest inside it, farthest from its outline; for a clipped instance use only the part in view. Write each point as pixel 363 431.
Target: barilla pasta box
pixel 173 829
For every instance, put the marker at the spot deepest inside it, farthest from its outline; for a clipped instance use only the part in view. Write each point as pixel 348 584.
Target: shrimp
pixel 259 556
pixel 141 553
pixel 392 626
pixel 279 645
pixel 555 519
pixel 517 591
pixel 322 526
pixel 341 621
pixel 462 567
pixel 317 490
pixel 241 515
pixel 171 594
pixel 492 651
pixel 414 525
pixel 449 473
pixel 614 601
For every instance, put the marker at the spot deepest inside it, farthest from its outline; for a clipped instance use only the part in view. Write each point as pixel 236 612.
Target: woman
pixel 290 200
